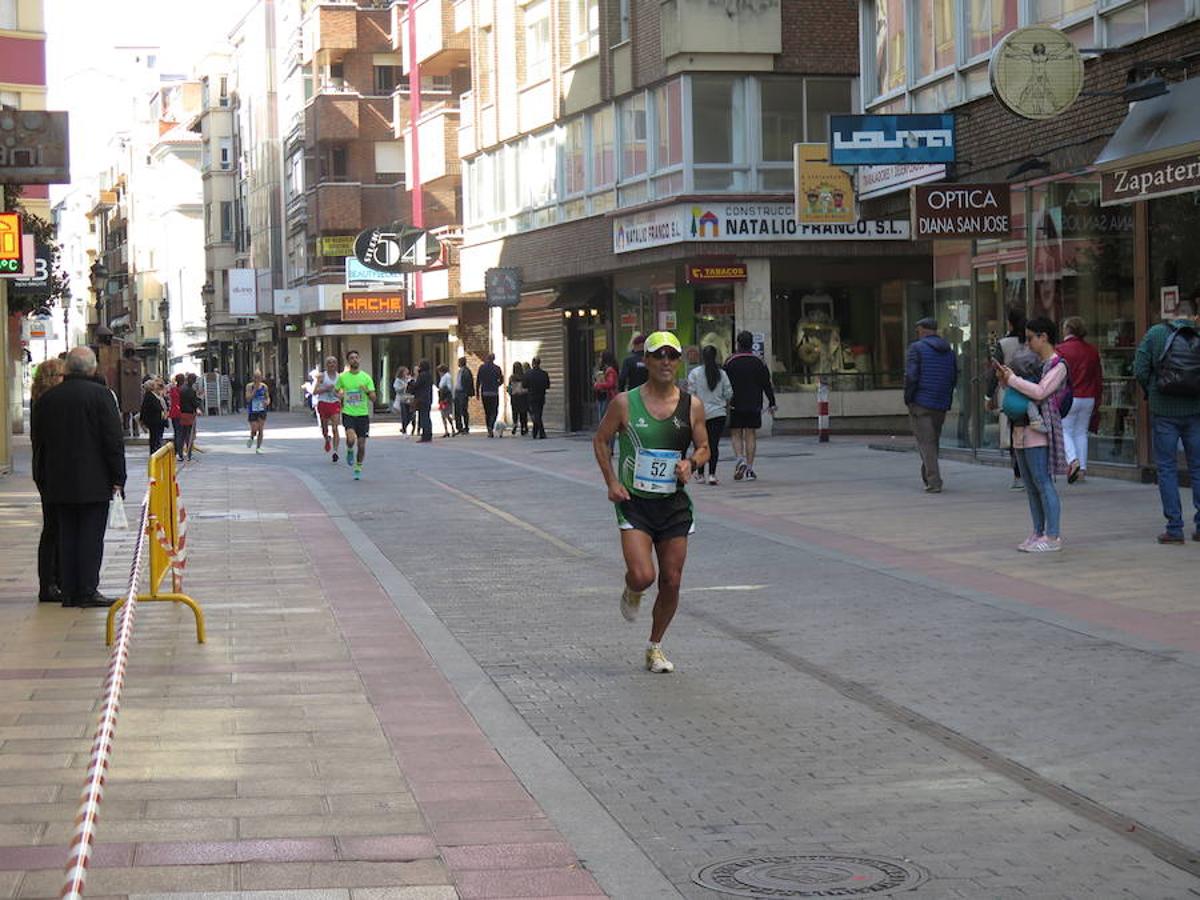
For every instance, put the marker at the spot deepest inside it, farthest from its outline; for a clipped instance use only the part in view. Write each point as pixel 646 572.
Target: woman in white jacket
pixel 710 383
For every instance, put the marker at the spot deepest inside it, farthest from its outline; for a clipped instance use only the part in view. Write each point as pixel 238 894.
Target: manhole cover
pixel 817 875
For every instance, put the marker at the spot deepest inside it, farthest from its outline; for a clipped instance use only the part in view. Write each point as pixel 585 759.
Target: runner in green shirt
pixel 657 423
pixel 357 392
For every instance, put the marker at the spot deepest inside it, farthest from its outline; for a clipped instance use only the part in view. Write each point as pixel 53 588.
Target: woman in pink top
pixel 1040 455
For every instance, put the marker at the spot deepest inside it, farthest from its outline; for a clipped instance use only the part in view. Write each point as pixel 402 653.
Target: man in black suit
pixel 79 465
pixel 464 390
pixel 537 383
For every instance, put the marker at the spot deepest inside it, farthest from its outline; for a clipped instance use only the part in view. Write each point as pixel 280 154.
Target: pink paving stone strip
pixel 558 882
pixel 396 847
pixel 191 853
pixel 52 856
pixel 510 856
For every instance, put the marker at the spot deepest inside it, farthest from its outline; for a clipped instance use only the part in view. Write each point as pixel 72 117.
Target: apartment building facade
pixel 612 151
pixel 1077 247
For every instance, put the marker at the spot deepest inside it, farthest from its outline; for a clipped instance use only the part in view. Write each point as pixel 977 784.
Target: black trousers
pixel 81 528
pixel 715 426
pixel 406 417
pixel 183 440
pixel 520 408
pixel 425 423
pixel 48 551
pixel 462 412
pixel 491 407
pixel 156 435
pixel 536 408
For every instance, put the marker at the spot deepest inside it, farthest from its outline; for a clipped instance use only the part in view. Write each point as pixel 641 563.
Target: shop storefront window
pixel 1174 260
pixel 1083 266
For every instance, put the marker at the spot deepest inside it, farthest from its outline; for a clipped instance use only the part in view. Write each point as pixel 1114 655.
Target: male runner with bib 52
pixel 656 423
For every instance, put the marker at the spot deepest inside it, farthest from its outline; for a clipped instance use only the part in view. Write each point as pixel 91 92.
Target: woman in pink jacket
pixel 1040 454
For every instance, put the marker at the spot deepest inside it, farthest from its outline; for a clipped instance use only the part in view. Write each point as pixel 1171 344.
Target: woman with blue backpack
pixel 1040 452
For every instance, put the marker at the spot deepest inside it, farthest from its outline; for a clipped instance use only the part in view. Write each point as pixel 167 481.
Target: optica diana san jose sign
pixel 684 222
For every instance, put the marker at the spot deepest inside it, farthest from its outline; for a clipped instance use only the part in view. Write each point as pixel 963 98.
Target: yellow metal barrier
pixel 167 535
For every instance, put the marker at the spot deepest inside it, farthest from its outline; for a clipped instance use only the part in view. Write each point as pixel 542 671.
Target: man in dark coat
pixel 930 374
pixel 633 368
pixel 464 390
pixel 79 465
pixel 537 383
pixel 489 380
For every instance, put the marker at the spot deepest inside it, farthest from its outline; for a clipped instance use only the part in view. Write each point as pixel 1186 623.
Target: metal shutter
pixel 540 332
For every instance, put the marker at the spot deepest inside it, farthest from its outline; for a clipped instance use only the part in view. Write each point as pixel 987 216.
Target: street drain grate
pixel 815 875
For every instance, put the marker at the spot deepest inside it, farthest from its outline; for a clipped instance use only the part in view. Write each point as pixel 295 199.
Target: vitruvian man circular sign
pixel 1036 72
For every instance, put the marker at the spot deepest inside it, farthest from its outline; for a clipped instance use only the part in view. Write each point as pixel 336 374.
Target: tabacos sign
pixel 961 210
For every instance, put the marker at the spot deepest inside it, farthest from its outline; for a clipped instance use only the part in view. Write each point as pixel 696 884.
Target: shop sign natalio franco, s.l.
pixel 961 210
pixel 714 223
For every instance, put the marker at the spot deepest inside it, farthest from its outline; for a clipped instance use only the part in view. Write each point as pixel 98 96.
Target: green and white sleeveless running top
pixel 651 447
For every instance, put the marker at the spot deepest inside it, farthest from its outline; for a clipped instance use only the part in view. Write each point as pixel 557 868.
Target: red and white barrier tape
pixel 93 787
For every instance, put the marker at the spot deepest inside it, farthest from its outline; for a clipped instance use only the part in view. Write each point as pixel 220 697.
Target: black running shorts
pixel 662 519
pixel 360 425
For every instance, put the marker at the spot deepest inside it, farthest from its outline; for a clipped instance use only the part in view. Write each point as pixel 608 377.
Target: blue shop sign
pixel 891 140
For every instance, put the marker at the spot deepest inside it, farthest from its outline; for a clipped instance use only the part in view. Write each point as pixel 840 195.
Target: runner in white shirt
pixel 329 406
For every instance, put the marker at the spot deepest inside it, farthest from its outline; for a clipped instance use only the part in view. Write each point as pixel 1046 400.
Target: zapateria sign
pixel 1178 175
pixel 961 210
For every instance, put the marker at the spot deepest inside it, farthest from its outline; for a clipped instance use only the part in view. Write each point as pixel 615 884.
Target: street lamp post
pixel 99 278
pixel 207 293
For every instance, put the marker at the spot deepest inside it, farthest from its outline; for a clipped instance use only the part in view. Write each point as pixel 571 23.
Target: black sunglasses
pixel 666 353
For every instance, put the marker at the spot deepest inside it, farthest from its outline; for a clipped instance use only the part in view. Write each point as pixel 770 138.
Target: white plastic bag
pixel 116 514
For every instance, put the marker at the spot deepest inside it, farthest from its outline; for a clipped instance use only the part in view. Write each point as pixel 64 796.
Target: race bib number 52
pixel 654 471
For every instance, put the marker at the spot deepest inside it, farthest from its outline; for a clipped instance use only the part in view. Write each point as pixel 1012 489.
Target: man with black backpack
pixel 1167 366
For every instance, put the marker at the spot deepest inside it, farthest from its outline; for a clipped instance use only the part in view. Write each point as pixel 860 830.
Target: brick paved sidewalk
pixel 310 747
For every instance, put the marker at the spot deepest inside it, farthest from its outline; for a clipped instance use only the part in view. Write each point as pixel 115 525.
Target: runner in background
pixel 258 401
pixel 329 408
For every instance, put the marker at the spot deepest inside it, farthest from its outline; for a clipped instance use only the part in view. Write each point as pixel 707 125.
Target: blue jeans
pixel 1168 431
pixel 1044 506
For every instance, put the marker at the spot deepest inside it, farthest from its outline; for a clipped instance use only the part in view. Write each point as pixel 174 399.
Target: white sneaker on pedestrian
pixel 739 471
pixel 712 479
pixel 1046 545
pixel 1029 542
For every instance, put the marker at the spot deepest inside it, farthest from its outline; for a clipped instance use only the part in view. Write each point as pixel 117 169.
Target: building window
pixel 226 220
pixel 537 41
pixel 334 163
pixel 782 118
pixel 604 165
pixel 823 98
pixel 574 157
pixel 668 124
pixel 436 84
pixel 11 99
pixel 988 21
pixel 8 14
pixel 719 132
pixel 890 48
pixel 223 97
pixel 389 160
pixel 633 137
pixel 386 78
pixel 226 150
pixel 487 56
pixel 623 12
pixel 933 36
pixel 585 29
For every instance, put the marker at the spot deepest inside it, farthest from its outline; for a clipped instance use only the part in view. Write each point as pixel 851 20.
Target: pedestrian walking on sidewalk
pixel 356 389
pixel 655 423
pixel 537 384
pixel 605 383
pixel 633 367
pixel 153 414
pixel 422 391
pixel 49 375
pixel 78 467
pixel 402 399
pixel 490 379
pixel 189 408
pixel 711 384
pixel 1041 454
pixel 197 387
pixel 329 405
pixel 1087 382
pixel 750 379
pixel 1167 366
pixel 173 405
pixel 445 400
pixel 1005 349
pixel 518 398
pixel 930 374
pixel 258 402
pixel 464 390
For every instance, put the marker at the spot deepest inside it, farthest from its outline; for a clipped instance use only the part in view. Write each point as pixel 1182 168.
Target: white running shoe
pixel 657 662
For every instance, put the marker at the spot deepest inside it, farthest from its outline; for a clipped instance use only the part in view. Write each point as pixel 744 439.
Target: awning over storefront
pixel 1156 151
pixel 409 326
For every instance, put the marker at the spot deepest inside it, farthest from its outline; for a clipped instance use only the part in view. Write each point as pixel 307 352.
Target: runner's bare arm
pixel 613 421
pixel 686 467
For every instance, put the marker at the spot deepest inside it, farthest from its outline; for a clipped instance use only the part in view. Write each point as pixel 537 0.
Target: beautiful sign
pixel 372 307
pixel 878 181
pixel 702 273
pixel 502 286
pixel 824 193
pixel 961 210
pixel 1036 72
pixel 336 245
pixel 679 223
pixel 879 139
pixel 360 276
pixel 1178 175
pixel 243 292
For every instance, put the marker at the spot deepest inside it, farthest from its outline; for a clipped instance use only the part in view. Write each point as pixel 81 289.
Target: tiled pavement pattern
pixel 835 557
pixel 310 749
